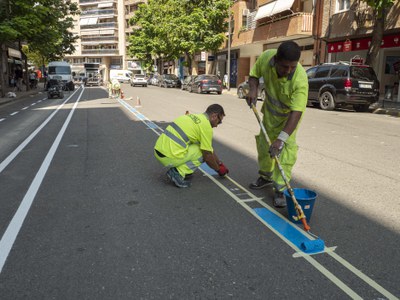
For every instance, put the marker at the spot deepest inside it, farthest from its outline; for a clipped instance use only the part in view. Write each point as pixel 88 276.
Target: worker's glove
pixel 251 100
pixel 222 171
pixel 276 148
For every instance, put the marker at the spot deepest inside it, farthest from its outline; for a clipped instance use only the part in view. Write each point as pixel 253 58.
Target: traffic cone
pixel 138 104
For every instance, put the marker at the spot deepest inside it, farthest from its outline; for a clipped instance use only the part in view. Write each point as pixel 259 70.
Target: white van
pixel 61 70
pixel 121 75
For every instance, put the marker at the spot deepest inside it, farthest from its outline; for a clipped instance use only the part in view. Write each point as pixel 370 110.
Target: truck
pixel 92 74
pixel 121 75
pixel 61 70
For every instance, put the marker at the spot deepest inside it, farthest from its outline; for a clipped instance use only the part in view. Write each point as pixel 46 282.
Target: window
pixel 322 72
pixel 342 5
pixel 311 72
pixel 339 71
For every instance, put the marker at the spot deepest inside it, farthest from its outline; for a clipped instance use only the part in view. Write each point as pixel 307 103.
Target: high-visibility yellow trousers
pixel 186 165
pixel 267 165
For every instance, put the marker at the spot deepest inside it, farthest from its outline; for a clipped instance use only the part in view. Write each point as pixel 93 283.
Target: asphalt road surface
pixel 86 211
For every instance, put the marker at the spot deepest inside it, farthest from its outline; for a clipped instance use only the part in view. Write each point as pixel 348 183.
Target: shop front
pixel 387 65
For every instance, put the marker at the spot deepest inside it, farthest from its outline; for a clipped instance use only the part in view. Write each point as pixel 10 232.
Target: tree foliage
pixel 43 24
pixel 169 28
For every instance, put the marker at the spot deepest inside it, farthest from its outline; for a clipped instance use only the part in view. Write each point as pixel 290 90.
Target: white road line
pixel 26 107
pixel 33 104
pixel 1 120
pixel 10 158
pixel 15 225
pixel 14 113
pixel 311 260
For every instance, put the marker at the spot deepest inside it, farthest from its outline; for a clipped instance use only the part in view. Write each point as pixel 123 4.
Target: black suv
pixel 342 84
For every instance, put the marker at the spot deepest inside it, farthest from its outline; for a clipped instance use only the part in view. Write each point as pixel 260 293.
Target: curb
pixel 391 112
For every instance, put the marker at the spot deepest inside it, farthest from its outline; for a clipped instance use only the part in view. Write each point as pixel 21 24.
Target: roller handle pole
pixel 300 213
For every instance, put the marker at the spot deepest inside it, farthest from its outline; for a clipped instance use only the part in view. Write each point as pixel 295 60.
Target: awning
pixel 84 21
pixel 273 8
pixel 92 21
pixel 107 4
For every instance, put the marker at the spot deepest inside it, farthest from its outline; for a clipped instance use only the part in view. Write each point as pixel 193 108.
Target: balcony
pixel 100 51
pixel 294 25
pixel 100 25
pixel 99 12
pixel 99 40
pixel 128 2
pixel 92 2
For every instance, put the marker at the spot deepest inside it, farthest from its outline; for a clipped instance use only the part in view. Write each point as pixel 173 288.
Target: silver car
pixel 139 79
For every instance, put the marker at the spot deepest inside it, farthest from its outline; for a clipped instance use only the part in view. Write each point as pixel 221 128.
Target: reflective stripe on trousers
pixel 186 165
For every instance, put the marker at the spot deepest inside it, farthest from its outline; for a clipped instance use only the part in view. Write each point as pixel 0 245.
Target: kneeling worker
pixel 187 143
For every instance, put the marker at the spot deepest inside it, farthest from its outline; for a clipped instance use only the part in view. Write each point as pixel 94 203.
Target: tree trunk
pixel 189 62
pixel 3 63
pixel 213 67
pixel 377 35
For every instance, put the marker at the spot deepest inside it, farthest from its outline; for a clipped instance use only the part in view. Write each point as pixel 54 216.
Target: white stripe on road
pixel 26 107
pixel 10 158
pixel 14 113
pixel 1 120
pixel 15 225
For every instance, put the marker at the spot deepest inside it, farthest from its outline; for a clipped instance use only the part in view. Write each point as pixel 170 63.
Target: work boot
pixel 260 183
pixel 177 179
pixel 279 199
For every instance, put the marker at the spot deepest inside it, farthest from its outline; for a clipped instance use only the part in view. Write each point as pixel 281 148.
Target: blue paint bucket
pixel 305 198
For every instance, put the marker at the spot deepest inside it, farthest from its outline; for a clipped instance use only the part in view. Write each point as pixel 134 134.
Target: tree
pixel 379 11
pixel 40 23
pixel 167 29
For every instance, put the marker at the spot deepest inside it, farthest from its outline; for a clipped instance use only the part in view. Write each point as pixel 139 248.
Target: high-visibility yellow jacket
pixel 185 130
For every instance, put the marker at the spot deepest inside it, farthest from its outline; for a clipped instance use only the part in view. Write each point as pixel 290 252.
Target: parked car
pixel 243 89
pixel 169 80
pixel 139 79
pixel 341 84
pixel 155 79
pixel 206 84
pixel 187 81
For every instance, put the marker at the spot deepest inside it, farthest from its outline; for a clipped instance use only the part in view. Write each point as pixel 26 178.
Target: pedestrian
pixel 225 81
pixel 32 80
pixel 187 142
pixel 286 87
pixel 18 79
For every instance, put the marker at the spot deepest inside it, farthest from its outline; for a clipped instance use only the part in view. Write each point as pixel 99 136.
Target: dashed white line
pixel 26 107
pixel 1 120
pixel 14 113
pixel 33 104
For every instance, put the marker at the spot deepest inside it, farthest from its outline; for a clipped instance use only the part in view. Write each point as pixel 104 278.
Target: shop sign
pixel 347 46
pixel 203 56
pixel 211 58
pixel 388 41
pixel 14 53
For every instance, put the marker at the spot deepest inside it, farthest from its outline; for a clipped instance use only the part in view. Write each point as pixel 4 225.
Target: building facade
pixel 327 31
pixel 103 28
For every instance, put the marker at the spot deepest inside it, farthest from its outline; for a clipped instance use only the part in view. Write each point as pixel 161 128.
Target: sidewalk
pixel 21 95
pixel 384 107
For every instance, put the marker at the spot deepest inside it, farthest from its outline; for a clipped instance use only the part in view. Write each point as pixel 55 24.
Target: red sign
pixel 388 41
pixel 347 46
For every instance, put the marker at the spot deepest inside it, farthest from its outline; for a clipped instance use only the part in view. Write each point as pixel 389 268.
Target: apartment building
pixel 104 31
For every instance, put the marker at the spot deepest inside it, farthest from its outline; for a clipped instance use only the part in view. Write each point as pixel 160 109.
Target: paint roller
pixel 310 246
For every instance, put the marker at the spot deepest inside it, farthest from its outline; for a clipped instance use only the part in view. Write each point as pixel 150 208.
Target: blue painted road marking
pixel 294 235
pixel 208 170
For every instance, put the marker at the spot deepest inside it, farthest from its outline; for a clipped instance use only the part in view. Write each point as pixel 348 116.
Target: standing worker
pixel 286 87
pixel 187 142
